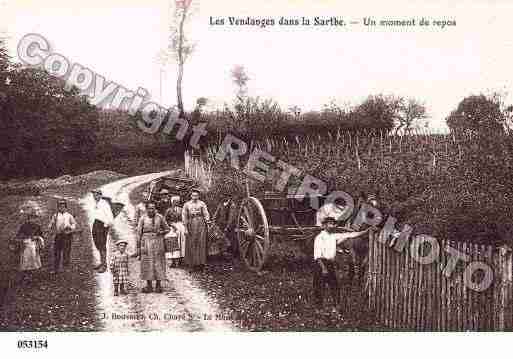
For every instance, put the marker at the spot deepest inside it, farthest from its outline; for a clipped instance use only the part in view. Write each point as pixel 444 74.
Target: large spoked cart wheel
pixel 253 234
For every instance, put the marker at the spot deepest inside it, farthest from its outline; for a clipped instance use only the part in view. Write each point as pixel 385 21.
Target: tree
pixel 180 45
pixel 240 78
pixel 409 111
pixel 377 112
pixel 478 114
pixel 4 66
pixel 499 96
pixel 295 111
pixel 243 103
pixel 43 126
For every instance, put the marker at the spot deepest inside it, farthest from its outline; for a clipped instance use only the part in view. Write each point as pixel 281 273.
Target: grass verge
pixel 61 302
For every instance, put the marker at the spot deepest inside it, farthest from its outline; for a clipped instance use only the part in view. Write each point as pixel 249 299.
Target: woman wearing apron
pixel 195 218
pixel 150 246
pixel 173 218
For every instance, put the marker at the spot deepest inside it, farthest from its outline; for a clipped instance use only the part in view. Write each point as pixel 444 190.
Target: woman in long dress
pixel 173 218
pixel 150 246
pixel 195 218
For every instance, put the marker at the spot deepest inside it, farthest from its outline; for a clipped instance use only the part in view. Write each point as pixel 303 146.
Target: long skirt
pixel 196 243
pixel 29 256
pixel 180 234
pixel 153 258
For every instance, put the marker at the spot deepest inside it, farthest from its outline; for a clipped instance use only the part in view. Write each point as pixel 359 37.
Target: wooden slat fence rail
pixel 407 295
pixel 198 169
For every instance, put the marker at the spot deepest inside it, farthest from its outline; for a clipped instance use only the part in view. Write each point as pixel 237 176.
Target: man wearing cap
pixel 102 221
pixel 325 250
pixel 63 224
pixel 336 209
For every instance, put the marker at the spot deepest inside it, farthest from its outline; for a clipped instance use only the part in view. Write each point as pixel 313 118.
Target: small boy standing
pixel 119 267
pixel 325 251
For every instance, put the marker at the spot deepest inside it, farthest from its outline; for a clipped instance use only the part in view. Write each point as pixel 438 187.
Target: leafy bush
pixel 477 113
pixel 45 128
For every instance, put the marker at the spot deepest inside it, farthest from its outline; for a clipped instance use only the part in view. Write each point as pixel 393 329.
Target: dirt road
pixel 183 306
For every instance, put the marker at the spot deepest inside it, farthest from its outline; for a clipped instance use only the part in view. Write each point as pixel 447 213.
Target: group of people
pixel 29 239
pixel 157 223
pixel 164 229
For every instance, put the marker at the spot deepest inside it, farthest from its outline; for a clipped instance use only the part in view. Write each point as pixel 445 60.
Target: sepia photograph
pixel 254 166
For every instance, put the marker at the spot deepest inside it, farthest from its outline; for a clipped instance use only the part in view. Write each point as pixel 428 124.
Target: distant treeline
pixel 255 119
pixel 44 127
pixel 50 131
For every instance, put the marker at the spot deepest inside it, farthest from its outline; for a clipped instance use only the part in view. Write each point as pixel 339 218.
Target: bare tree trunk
pixel 179 91
pixel 180 66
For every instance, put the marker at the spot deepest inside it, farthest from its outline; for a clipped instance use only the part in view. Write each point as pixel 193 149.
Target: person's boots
pixel 122 289
pixel 148 288
pixel 116 290
pixel 158 287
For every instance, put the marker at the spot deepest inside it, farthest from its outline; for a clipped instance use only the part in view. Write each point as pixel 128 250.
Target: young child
pixel 119 267
pixel 325 250
pixel 29 242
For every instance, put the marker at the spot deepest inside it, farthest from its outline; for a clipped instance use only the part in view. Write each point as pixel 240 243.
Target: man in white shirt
pixel 325 251
pixel 102 221
pixel 63 224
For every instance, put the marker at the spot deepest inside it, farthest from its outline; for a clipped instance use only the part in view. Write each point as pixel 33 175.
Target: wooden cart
pixel 275 214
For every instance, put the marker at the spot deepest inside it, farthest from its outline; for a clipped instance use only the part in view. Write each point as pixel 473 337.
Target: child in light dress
pixel 29 242
pixel 119 268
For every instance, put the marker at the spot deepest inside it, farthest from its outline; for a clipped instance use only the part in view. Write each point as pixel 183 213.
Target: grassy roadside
pixel 62 302
pixel 280 299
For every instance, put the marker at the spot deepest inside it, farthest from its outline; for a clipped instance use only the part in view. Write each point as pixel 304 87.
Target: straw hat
pixel 121 241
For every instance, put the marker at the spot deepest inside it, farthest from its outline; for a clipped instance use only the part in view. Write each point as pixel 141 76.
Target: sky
pixel 298 65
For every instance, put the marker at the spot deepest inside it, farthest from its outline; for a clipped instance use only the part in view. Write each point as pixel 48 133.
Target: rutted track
pixel 183 304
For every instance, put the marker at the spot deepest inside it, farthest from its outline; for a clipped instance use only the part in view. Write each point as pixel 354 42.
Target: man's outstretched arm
pixel 341 237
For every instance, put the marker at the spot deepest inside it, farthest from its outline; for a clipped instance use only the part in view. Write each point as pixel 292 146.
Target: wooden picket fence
pixel 407 295
pixel 197 169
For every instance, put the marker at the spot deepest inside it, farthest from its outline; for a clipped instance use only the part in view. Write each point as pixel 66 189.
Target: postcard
pixel 259 166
